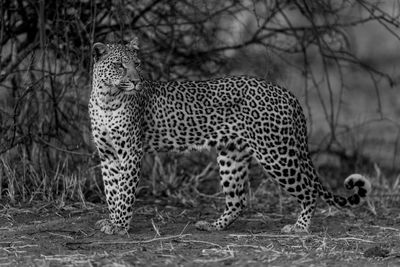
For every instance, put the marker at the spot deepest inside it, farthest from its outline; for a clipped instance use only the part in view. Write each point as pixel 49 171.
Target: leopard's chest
pixel 98 115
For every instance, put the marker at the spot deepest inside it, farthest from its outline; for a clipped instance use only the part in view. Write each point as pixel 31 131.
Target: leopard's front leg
pixel 129 178
pixel 128 146
pixel 110 171
pixel 120 159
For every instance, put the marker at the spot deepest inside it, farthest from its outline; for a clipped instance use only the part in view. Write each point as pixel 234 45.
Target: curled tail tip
pixel 356 182
pixel 359 183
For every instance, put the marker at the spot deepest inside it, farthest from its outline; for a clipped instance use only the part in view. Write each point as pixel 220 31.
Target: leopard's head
pixel 116 66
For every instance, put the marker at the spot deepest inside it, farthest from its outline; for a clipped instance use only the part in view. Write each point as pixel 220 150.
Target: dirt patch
pixel 45 235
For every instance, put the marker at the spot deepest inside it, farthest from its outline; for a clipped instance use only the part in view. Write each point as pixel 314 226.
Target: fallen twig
pixel 270 235
pixel 353 239
pixel 202 242
pixel 130 241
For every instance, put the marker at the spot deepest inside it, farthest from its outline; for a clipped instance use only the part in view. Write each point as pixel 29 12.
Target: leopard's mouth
pixel 129 85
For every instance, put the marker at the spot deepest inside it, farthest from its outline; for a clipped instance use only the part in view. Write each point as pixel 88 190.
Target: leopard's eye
pixel 119 65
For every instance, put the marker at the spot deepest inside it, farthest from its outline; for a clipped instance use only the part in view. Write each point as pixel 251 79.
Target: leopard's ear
pixel 134 44
pixel 99 50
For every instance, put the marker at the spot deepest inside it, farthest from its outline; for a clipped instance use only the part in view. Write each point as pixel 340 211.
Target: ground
pixel 63 234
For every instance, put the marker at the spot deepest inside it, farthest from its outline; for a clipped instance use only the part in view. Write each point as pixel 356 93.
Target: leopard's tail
pixel 356 182
pixel 360 185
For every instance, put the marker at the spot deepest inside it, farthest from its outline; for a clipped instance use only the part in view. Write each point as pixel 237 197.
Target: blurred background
pixel 340 58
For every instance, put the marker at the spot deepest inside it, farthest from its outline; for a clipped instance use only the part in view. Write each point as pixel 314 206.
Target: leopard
pixel 243 118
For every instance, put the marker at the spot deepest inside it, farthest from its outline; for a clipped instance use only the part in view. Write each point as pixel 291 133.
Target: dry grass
pixel 176 179
pixel 22 182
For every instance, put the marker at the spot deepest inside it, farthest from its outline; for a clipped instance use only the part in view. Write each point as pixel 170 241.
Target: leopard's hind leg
pixel 286 170
pixel 233 169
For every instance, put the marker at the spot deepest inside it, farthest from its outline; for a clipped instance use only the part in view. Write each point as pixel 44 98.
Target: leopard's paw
pixel 205 226
pixel 293 228
pixel 107 227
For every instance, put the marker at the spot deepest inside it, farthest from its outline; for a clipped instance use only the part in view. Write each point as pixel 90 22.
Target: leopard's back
pixel 185 115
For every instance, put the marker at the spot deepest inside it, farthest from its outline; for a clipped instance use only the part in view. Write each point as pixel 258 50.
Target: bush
pixel 45 67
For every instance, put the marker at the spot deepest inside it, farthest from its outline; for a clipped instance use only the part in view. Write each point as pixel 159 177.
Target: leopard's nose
pixel 132 74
